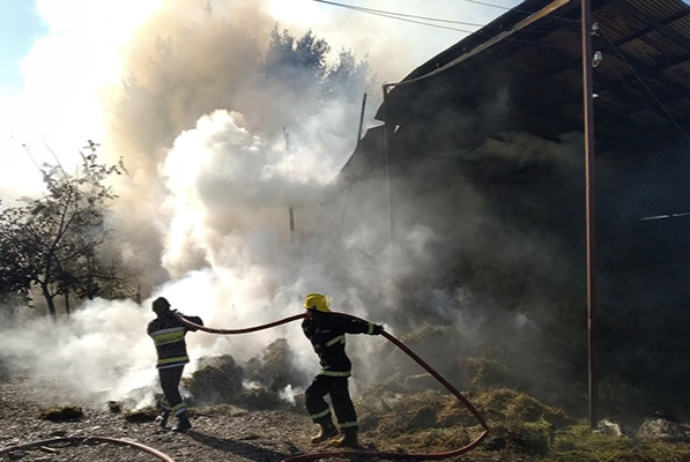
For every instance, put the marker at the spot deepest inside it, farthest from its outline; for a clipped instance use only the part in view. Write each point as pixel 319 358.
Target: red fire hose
pixel 380 455
pixel 87 439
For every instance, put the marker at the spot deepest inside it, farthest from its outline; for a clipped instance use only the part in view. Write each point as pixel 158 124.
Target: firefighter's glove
pixel 378 329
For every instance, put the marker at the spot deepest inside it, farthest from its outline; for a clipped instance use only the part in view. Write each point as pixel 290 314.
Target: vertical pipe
pixel 588 93
pixel 361 120
pixel 290 210
pixel 386 142
pixel 292 225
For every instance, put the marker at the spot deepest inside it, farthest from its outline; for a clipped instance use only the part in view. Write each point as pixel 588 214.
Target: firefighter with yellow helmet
pixel 326 331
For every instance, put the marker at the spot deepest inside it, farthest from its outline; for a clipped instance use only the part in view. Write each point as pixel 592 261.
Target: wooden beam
pixel 550 8
pixel 658 26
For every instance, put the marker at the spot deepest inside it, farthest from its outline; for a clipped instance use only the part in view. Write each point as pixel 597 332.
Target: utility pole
pixel 291 212
pixel 588 94
pixel 388 129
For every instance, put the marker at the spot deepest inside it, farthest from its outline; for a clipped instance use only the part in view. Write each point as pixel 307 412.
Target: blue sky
pixel 20 26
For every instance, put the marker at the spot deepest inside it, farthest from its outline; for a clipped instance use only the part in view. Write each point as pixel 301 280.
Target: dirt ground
pixel 259 436
pixel 265 436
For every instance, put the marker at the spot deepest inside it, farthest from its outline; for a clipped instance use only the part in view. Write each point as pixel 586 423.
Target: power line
pixel 405 18
pixel 519 10
pixel 372 10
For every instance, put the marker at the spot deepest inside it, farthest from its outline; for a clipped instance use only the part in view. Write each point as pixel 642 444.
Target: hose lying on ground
pixel 380 455
pixel 88 439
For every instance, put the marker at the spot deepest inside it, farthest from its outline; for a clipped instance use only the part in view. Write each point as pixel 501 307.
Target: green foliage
pixel 300 64
pixel 53 241
pixel 292 58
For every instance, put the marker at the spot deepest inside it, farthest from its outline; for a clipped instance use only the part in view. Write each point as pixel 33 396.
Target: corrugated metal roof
pixel 643 81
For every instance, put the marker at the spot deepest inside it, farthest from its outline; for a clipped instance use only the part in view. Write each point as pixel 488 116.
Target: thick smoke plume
pixel 222 142
pixel 219 147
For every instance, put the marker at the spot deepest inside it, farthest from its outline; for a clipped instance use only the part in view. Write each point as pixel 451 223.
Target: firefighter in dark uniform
pixel 326 332
pixel 168 332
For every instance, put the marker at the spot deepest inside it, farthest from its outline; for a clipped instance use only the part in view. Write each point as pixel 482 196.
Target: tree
pixel 301 63
pixel 52 242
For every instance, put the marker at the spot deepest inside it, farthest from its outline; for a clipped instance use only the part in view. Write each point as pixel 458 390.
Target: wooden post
pixel 588 93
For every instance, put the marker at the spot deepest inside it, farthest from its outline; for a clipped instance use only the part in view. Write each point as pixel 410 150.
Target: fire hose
pixel 88 439
pixel 381 455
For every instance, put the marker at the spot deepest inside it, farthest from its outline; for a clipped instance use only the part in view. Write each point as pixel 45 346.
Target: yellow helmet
pixel 318 302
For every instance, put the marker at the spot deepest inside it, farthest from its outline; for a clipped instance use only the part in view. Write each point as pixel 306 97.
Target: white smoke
pixel 204 212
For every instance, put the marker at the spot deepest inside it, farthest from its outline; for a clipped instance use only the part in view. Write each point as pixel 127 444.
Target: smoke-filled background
pixel 224 129
pixel 221 135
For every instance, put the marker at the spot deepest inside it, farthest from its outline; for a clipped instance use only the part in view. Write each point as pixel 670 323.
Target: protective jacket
pixel 168 332
pixel 326 332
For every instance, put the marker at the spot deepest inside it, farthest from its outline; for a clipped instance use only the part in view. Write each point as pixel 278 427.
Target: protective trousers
pixel 170 383
pixel 337 388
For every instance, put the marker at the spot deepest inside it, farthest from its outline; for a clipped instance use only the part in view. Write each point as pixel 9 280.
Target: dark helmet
pixel 161 305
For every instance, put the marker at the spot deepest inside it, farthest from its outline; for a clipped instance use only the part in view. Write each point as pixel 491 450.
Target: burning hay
pixel 255 385
pixel 147 414
pixel 218 380
pixel 428 419
pixel 60 413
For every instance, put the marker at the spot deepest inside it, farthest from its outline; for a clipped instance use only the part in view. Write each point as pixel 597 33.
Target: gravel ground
pixel 258 436
pixel 262 436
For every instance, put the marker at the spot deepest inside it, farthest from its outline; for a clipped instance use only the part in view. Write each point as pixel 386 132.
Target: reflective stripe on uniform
pixel 348 424
pixel 170 366
pixel 334 373
pixel 180 408
pixel 371 329
pixel 320 414
pixel 333 341
pixel 166 336
pixel 173 361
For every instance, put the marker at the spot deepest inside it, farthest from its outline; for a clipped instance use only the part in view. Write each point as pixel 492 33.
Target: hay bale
pixel 419 383
pixel 275 370
pixel 218 380
pixel 505 405
pixel 60 413
pixel 522 439
pixel 115 407
pixel 143 415
pixel 262 399
pixel 411 413
pixel 481 372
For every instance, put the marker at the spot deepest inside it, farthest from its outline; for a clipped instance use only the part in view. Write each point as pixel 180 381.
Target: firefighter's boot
pixel 183 423
pixel 326 430
pixel 163 418
pixel 348 440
